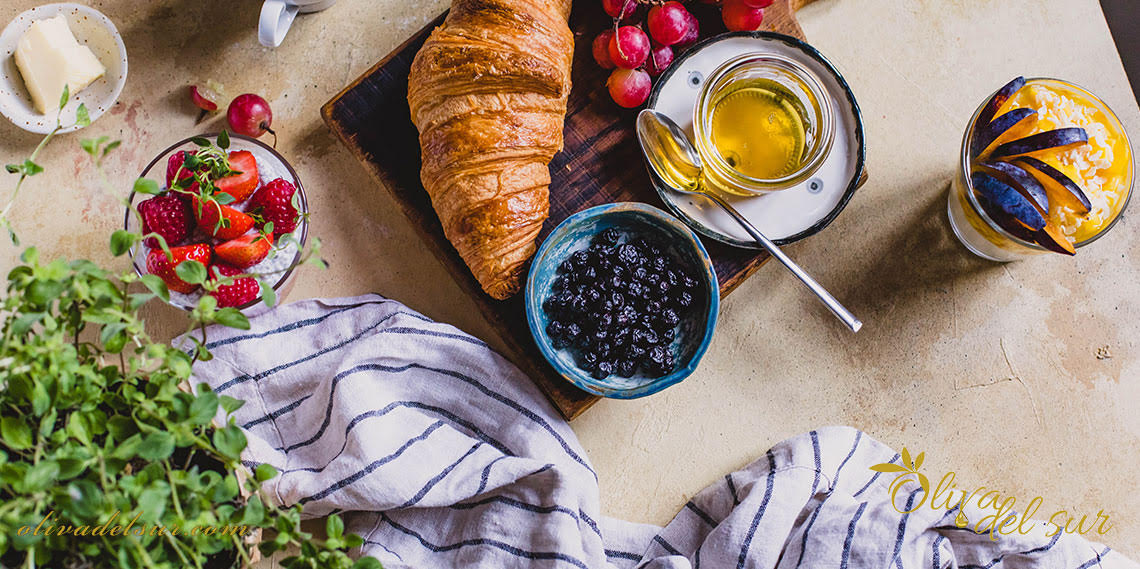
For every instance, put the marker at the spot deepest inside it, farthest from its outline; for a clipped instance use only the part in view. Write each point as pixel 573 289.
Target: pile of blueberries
pixel 618 304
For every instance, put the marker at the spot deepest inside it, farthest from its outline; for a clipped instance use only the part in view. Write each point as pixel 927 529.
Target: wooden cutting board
pixel 601 163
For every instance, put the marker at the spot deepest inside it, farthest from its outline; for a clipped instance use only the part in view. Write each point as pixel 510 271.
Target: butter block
pixel 49 57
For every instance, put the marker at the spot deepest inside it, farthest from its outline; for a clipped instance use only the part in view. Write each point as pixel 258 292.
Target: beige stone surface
pixel 990 369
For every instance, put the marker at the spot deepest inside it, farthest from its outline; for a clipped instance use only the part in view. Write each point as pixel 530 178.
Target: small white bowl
pixel 92 29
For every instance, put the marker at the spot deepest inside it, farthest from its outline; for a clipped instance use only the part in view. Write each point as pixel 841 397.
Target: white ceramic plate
pixel 787 215
pixel 91 28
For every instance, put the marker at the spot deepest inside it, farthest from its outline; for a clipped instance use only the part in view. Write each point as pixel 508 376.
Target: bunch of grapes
pixel 636 56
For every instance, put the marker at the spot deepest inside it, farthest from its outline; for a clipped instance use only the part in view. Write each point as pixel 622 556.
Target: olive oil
pixel 760 129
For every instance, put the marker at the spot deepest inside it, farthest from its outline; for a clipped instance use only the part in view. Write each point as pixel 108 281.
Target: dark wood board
pixel 601 163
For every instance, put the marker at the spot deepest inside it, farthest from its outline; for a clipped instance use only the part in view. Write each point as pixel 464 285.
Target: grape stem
pixel 265 126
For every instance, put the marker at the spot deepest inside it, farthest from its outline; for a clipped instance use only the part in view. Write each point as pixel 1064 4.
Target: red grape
pixel 740 17
pixel 629 48
pixel 629 87
pixel 758 3
pixel 692 34
pixel 659 59
pixel 620 9
pixel 602 49
pixel 668 23
pixel 249 114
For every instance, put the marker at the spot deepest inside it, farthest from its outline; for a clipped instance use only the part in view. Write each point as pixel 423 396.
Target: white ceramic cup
pixel 277 16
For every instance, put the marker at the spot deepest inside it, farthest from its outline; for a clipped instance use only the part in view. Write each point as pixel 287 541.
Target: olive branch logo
pixel 907 472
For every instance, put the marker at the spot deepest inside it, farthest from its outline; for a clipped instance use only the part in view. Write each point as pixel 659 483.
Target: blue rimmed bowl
pixel 574 234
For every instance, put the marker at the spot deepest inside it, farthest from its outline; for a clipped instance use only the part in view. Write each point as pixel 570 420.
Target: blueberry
pixel 617 299
pixel 670 317
pixel 689 282
pixel 592 297
pixel 667 335
pixel 603 370
pixel 629 255
pixel 572 330
pixel 653 307
pixel 606 320
pixel 551 305
pixel 626 368
pixel 634 352
pixel 626 315
pixel 609 236
pixel 684 300
pixel 664 287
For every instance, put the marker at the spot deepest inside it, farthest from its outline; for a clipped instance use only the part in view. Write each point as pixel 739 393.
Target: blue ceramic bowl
pixel 574 234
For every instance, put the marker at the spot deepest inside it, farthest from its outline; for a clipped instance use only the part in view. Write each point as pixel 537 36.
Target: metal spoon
pixel 677 163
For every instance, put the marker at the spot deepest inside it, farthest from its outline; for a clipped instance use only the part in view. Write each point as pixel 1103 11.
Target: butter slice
pixel 49 57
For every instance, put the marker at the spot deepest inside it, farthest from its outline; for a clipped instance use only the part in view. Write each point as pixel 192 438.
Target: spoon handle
pixel 832 303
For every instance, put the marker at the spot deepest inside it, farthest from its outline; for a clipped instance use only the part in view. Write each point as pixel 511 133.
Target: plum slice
pixel 1010 201
pixel 999 99
pixel 1006 222
pixel 1022 180
pixel 986 135
pixel 1052 238
pixel 1069 194
pixel 1042 141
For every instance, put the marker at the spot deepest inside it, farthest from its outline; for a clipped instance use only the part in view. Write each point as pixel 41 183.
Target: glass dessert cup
pixel 984 236
pixel 278 268
pixel 752 104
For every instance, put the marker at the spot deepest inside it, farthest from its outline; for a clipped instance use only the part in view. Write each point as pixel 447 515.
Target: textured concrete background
pixel 990 369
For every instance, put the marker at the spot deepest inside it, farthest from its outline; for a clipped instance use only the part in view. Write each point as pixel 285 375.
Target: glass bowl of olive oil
pixel 762 123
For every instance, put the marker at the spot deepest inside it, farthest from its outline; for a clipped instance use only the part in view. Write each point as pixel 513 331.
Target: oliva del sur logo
pixel 993 512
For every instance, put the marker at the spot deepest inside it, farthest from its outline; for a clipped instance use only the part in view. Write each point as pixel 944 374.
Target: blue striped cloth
pixel 442 454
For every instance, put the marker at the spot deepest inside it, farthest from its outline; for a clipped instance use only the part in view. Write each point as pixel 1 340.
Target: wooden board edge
pixel 327 108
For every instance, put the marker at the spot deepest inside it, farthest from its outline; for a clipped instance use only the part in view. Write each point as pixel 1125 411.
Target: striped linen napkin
pixel 442 454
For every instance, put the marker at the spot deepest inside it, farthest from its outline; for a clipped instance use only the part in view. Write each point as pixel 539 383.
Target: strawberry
pixel 245 251
pixel 233 223
pixel 274 201
pixel 167 216
pixel 173 164
pixel 244 290
pixel 242 184
pixel 158 264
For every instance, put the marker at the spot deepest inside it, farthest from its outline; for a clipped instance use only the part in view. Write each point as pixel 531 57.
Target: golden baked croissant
pixel 488 94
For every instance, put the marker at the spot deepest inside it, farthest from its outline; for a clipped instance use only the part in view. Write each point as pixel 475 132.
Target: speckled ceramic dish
pixel 574 234
pixel 787 215
pixel 90 28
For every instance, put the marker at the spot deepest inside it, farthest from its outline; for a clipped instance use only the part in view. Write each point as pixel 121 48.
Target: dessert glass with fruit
pixel 231 203
pixel 1045 166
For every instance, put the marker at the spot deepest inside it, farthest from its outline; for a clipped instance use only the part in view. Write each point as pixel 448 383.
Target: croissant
pixel 488 94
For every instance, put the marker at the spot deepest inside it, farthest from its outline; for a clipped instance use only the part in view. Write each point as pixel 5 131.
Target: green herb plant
pixel 99 424
pixel 29 167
